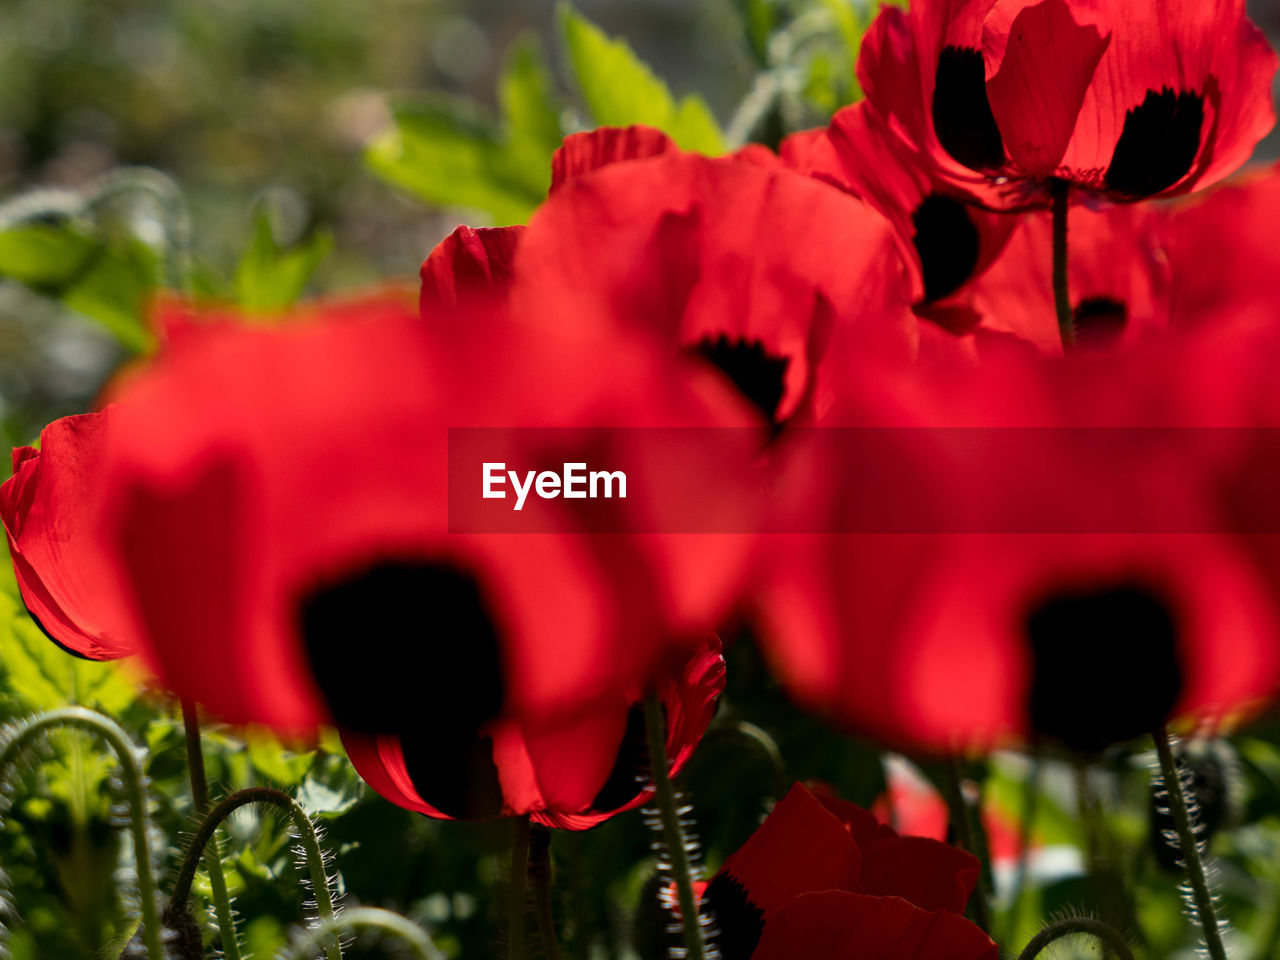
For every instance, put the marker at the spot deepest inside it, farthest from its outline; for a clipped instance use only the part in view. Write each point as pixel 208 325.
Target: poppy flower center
pixel 962 116
pixel 740 922
pixel 947 241
pixel 405 646
pixel 1100 321
pixel 758 375
pixel 1158 144
pixel 1104 666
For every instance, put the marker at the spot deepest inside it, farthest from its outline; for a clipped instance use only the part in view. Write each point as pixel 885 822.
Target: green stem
pixel 967 839
pixel 1026 834
pixel 1061 192
pixel 212 856
pixel 306 835
pixel 517 878
pixel 673 832
pixel 20 734
pixel 540 877
pixel 173 205
pixel 1074 925
pixel 364 918
pixel 1189 846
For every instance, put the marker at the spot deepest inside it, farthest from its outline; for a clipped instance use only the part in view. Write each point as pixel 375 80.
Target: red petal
pixel 583 152
pixel 1202 47
pixel 800 847
pixel 835 925
pixel 929 874
pixel 470 269
pixel 1043 62
pixel 50 508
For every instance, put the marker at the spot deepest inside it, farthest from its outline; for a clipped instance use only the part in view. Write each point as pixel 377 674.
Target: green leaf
pixel 621 90
pixel 109 281
pixel 451 153
pixel 271 278
pixel 39 675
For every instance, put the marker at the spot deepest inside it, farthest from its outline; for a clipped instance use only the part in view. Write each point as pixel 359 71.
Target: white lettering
pixel 521 491
pixel 609 479
pixel 493 474
pixel 575 473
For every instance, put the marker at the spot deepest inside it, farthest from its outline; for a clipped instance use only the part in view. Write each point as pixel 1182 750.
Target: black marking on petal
pixel 632 764
pixel 962 116
pixel 740 922
pixel 758 375
pixel 453 773
pixel 405 646
pixel 1100 322
pixel 1105 665
pixel 1158 144
pixel 947 240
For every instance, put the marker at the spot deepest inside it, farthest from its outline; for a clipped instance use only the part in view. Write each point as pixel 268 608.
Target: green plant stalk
pixel 1026 831
pixel 518 874
pixel 1074 925
pixel 1061 192
pixel 364 918
pixel 306 835
pixel 1189 846
pixel 540 877
pixel 113 734
pixel 673 833
pixel 967 837
pixel 212 857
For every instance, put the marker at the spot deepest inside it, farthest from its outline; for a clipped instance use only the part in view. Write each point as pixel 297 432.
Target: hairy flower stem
pixel 212 856
pixel 1075 925
pixel 516 889
pixel 966 836
pixel 20 735
pixel 306 835
pixel 364 918
pixel 673 833
pixel 1189 846
pixel 1061 191
pixel 540 878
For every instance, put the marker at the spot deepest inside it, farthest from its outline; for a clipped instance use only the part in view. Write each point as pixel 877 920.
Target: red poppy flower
pixel 279 501
pixel 1121 99
pixel 767 277
pixel 1120 280
pixel 949 241
pixel 48 508
pixel 571 775
pixel 821 877
pixel 970 619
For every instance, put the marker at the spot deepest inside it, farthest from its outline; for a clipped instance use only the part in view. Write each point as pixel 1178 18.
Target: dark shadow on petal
pixel 962 116
pixel 453 773
pixel 405 646
pixel 948 243
pixel 1100 322
pixel 625 781
pixel 1105 666
pixel 740 922
pixel 1158 144
pixel 758 375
